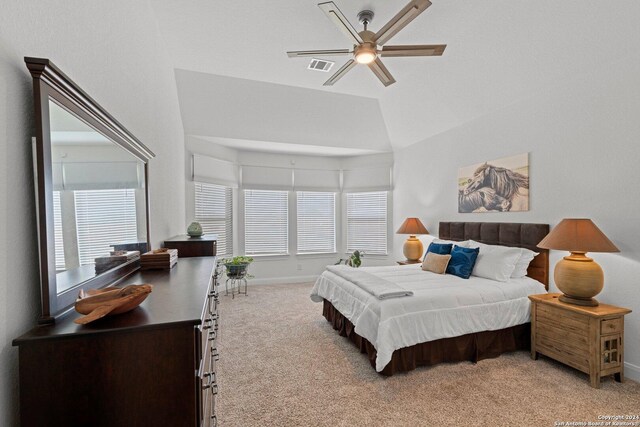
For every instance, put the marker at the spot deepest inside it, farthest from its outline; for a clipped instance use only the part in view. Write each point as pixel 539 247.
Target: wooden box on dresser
pixel 590 339
pixel 153 366
pixel 205 245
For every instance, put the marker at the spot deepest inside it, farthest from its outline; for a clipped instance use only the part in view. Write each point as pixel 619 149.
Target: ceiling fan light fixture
pixel 365 57
pixel 366 53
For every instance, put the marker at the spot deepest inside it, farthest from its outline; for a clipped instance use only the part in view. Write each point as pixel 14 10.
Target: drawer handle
pixel 207 324
pixel 212 335
pixel 209 384
pixel 214 420
pixel 213 383
pixel 214 353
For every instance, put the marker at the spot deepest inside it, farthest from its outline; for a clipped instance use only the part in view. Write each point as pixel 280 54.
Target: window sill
pixel 264 257
pixel 317 254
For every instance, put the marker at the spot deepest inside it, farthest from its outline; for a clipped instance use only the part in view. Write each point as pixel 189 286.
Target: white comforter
pixel 442 306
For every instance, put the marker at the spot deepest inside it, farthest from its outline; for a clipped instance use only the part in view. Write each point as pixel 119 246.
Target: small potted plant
pixel 236 267
pixel 354 260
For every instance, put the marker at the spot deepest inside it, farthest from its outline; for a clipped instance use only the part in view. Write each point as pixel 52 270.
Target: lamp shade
pixel 577 235
pixel 412 226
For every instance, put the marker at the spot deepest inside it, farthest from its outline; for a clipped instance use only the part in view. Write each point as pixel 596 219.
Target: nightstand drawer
pixel 611 326
pixel 556 332
pixel 562 352
pixel 564 318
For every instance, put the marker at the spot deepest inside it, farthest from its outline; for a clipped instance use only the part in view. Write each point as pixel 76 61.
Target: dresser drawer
pixel 206 382
pixel 611 326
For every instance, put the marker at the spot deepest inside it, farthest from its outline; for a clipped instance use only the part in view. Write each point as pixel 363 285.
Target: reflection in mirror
pixel 98 201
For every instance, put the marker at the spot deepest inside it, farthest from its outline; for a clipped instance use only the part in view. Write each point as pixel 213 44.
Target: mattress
pixel 442 306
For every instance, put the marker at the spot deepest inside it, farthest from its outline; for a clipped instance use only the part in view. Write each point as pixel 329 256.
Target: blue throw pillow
pixel 462 261
pixel 439 248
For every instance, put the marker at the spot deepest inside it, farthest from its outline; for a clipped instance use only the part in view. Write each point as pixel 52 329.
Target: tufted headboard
pixel 521 235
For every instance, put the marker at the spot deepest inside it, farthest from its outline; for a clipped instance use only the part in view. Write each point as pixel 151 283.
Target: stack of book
pixel 162 258
pixel 114 259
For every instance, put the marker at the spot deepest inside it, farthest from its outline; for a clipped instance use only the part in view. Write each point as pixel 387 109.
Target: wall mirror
pixel 91 191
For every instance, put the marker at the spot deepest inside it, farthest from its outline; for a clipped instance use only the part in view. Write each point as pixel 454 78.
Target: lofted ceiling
pixel 499 52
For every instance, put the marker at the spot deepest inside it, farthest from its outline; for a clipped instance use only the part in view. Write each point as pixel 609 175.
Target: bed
pixel 447 319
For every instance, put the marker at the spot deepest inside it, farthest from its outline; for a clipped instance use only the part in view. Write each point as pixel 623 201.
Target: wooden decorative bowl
pixel 97 303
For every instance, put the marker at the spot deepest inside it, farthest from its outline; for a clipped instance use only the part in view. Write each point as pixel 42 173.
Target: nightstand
pixel 590 339
pixel 407 262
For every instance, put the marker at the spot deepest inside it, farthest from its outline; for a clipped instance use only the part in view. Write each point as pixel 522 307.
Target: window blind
pixel 104 217
pixel 367 222
pixel 316 222
pixel 377 178
pixel 57 232
pixel 266 222
pixel 214 212
pixel 214 171
pixel 266 178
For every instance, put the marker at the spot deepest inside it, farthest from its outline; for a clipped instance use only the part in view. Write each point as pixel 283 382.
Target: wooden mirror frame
pixel 51 83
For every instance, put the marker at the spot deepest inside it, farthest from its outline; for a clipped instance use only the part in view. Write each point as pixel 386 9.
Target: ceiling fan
pixel 367 45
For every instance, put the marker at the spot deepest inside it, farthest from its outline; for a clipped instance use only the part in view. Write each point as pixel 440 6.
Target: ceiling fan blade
pixel 381 72
pixel 398 22
pixel 340 73
pixel 414 50
pixel 332 11
pixel 327 52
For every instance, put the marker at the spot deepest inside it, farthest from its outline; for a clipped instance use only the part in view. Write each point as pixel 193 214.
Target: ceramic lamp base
pixel 579 278
pixel 412 249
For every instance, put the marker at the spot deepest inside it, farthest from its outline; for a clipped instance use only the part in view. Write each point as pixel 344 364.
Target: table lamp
pixel 579 277
pixel 412 248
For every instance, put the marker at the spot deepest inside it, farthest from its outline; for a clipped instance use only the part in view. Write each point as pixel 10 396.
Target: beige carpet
pixel 281 364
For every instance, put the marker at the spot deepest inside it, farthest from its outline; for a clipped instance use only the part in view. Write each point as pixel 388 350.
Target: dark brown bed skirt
pixel 470 347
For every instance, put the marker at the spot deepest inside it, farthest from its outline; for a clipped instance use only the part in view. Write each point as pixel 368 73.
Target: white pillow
pixel 526 257
pixel 495 262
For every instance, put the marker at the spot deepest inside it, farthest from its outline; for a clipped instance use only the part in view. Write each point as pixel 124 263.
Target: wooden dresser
pixel 153 366
pixel 590 339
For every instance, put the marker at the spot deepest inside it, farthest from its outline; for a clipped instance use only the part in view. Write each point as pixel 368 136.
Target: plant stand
pixel 235 284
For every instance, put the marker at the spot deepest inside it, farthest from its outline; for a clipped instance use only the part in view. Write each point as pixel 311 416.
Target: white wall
pixel 114 52
pixel 228 107
pixel 583 136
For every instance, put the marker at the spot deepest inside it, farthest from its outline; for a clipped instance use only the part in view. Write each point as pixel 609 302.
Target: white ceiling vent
pixel 320 65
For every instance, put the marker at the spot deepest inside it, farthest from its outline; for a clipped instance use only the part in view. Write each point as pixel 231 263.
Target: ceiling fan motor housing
pixel 367 51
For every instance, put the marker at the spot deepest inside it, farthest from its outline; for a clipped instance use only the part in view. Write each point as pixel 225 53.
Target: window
pixel 367 222
pixel 57 231
pixel 104 217
pixel 214 212
pixel 316 222
pixel 266 222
